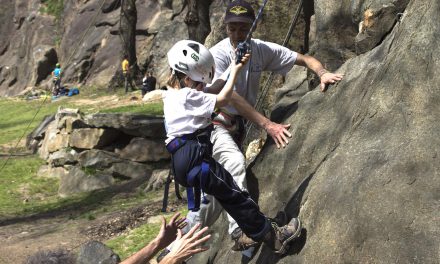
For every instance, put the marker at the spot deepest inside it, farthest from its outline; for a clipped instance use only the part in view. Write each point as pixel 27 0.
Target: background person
pixel 127 74
pixel 148 83
pixel 56 77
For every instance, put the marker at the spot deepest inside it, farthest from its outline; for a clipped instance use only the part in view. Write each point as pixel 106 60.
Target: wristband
pixel 322 72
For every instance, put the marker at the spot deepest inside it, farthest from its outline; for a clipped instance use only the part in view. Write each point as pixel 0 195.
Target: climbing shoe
pixel 241 241
pixel 278 238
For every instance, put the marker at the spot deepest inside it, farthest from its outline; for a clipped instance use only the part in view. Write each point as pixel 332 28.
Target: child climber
pixel 188 113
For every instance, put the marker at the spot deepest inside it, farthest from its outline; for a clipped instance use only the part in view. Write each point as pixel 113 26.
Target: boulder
pixel 157 180
pixel 130 170
pixel 153 96
pixel 53 140
pixel 72 123
pixel 89 138
pixel 98 159
pixel 144 150
pixel 33 139
pixel 376 24
pixel 62 157
pixel 83 180
pixel 131 124
pixel 94 252
pixel 47 171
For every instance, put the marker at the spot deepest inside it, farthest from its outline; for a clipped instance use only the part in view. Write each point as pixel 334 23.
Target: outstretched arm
pixel 167 234
pixel 278 132
pixel 186 246
pixel 317 67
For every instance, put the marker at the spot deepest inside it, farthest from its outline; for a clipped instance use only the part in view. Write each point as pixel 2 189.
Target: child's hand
pixel 244 60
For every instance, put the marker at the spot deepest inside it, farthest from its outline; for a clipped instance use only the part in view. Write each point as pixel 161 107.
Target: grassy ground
pixel 22 193
pixel 17 117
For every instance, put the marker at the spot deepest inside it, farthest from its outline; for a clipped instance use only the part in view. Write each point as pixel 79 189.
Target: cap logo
pixel 195 57
pixel 237 10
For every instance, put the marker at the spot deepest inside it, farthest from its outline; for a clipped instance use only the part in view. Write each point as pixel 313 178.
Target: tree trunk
pixel 197 19
pixel 127 29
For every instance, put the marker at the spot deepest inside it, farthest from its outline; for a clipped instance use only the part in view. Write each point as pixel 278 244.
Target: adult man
pixel 127 74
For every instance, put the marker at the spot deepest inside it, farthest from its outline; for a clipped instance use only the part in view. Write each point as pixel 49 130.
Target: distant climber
pixel 148 83
pixel 56 77
pixel 127 74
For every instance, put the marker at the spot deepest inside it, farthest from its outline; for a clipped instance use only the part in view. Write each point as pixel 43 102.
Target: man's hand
pixel 168 232
pixel 278 132
pixel 329 78
pixel 186 246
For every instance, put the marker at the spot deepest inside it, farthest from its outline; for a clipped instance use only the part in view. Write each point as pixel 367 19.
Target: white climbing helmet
pixel 192 59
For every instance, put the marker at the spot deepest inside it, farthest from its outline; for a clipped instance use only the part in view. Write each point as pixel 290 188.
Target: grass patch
pixel 53 7
pixel 17 114
pixel 23 193
pixel 20 190
pixel 136 239
pixel 150 108
pixel 128 244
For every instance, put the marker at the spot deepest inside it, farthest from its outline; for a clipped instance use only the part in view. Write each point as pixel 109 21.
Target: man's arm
pixel 167 234
pixel 317 67
pixel 278 132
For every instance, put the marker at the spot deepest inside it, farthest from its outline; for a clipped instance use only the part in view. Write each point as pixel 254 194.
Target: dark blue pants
pixel 220 184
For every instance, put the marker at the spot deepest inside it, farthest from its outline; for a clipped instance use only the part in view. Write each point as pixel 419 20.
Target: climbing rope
pixel 263 94
pixel 45 98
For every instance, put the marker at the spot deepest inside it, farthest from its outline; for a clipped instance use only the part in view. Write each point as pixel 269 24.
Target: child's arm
pixel 217 86
pixel 225 94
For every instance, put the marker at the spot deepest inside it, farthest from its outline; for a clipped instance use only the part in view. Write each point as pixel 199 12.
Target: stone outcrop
pixel 361 169
pixel 144 150
pixel 97 151
pixel 85 40
pixel 27 47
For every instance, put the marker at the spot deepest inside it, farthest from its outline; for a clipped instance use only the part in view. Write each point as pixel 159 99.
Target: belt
pixel 178 142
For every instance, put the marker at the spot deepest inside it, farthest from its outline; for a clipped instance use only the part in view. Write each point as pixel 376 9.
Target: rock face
pixel 85 40
pixel 362 168
pixel 27 46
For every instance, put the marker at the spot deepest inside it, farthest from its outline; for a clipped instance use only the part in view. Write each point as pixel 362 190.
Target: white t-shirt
pixel 186 110
pixel 265 56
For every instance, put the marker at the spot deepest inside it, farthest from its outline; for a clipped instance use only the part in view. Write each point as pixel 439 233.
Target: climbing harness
pixel 193 188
